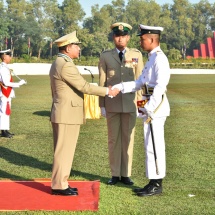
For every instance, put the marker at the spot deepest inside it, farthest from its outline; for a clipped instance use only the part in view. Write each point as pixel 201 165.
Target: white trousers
pixel 4 119
pixel 158 131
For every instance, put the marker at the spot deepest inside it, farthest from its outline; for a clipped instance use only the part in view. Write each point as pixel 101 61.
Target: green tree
pixel 16 15
pixel 4 22
pixel 182 24
pixel 45 13
pixel 71 16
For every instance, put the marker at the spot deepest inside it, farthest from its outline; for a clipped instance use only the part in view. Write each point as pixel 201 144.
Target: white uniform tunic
pixel 156 74
pixel 5 79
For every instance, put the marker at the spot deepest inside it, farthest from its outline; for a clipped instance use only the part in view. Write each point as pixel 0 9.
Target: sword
pixel 152 135
pixel 17 75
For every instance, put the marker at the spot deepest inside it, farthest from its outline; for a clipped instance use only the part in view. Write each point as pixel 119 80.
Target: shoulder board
pixel 133 49
pixel 159 52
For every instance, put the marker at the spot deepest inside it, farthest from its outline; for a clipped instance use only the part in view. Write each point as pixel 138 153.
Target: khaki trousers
pixel 121 128
pixel 65 140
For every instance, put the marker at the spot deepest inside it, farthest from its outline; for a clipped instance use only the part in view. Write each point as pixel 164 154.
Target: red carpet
pixel 36 195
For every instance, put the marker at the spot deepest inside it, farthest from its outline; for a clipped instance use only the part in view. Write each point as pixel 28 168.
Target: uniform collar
pixel 4 64
pixel 154 51
pixel 66 57
pixel 118 51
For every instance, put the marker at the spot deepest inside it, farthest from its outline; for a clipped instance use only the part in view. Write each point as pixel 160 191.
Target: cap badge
pixel 121 27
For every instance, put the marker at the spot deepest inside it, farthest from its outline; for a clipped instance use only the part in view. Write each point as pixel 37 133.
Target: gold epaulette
pixel 133 49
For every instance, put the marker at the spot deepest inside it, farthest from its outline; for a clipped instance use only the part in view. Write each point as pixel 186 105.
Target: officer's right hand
pixel 22 82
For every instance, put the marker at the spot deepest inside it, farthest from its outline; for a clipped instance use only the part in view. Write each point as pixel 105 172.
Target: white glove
pixel 117 86
pixel 150 114
pixel 22 82
pixel 103 111
pixel 143 110
pixel 141 115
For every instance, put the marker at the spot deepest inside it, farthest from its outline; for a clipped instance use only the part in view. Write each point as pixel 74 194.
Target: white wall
pixel 43 69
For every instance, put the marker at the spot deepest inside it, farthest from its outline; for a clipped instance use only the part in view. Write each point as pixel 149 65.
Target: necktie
pixel 120 56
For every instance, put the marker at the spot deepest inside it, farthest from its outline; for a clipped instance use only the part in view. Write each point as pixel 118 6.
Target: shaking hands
pixel 113 92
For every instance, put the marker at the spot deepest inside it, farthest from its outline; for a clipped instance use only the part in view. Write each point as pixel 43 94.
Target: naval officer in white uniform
pixel 6 93
pixel 155 76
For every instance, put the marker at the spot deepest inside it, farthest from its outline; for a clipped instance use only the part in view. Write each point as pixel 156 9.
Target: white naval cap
pixel 145 29
pixel 8 51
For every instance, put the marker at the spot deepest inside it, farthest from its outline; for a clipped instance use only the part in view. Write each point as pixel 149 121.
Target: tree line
pixel 30 27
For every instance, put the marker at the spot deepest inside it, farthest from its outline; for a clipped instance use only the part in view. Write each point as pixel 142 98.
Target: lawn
pixel 190 150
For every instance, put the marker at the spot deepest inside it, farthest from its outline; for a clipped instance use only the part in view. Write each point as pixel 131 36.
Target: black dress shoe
pixel 137 190
pixel 73 189
pixel 66 192
pixel 113 180
pixel 5 134
pixel 126 180
pixel 153 188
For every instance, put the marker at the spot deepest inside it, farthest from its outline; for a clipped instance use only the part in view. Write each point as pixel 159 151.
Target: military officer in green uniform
pixel 118 65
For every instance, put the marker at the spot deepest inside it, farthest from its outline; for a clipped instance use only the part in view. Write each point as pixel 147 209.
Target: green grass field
pixel 190 150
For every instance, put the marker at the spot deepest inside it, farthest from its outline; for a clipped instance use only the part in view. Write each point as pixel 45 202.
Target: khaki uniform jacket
pixel 112 71
pixel 68 88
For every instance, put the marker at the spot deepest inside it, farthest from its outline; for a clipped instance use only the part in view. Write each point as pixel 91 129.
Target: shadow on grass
pixel 23 160
pixel 7 175
pixel 42 113
pixel 102 179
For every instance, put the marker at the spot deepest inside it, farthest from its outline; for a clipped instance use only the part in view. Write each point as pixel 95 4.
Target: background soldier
pixel 118 65
pixel 6 93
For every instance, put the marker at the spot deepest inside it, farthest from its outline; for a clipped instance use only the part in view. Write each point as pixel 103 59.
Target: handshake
pixel 114 90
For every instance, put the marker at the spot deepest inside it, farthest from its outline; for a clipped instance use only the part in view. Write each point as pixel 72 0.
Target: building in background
pixel 206 50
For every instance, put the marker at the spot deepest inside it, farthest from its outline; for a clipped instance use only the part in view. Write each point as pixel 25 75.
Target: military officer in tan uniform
pixel 68 88
pixel 118 65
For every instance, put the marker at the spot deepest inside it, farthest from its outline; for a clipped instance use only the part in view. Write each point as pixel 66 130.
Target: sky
pixel 86 4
